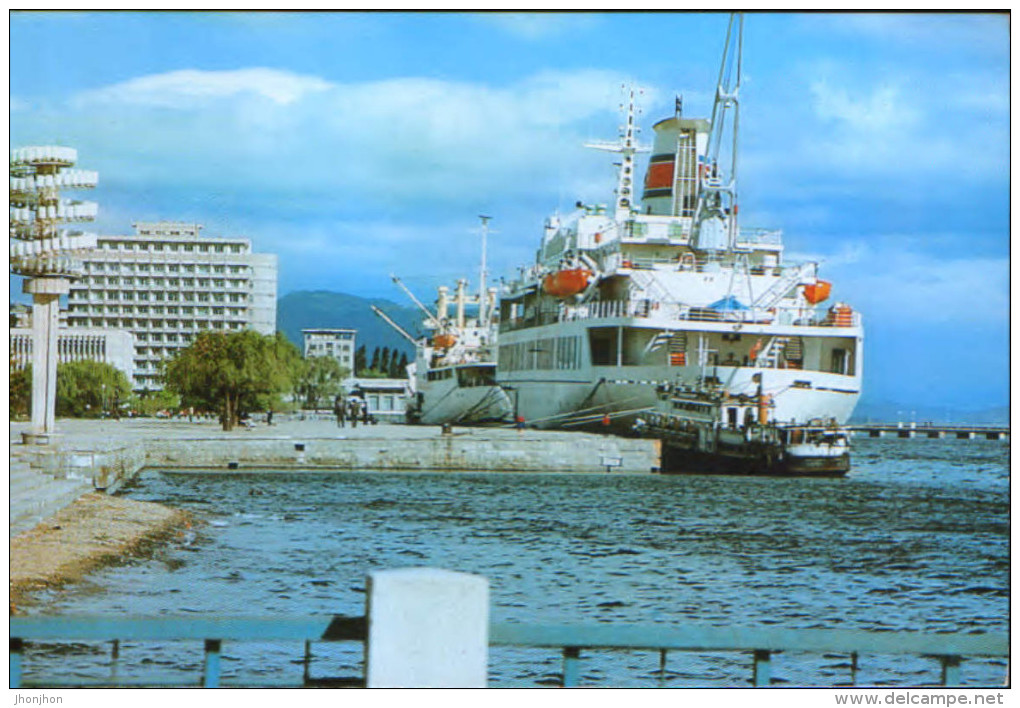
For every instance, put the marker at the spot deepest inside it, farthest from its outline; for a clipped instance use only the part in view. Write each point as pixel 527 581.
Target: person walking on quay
pixel 339 409
pixel 355 411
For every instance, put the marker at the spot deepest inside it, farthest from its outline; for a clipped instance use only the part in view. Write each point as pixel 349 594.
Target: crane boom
pixel 393 324
pixel 432 318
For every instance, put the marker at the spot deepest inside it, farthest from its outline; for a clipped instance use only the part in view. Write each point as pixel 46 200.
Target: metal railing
pixel 761 643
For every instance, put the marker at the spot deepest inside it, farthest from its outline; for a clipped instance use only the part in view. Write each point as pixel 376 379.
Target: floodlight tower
pixel 47 256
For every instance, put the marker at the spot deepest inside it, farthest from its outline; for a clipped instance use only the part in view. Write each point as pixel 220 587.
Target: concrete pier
pixel 104 454
pixel 909 431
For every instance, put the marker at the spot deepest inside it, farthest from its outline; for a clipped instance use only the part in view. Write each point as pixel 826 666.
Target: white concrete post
pixel 427 628
pixel 46 294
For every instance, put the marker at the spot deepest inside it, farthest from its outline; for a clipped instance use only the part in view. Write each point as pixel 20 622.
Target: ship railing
pixel 219 634
pixel 649 308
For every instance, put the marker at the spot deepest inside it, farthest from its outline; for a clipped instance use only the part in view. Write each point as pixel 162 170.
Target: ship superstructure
pixel 672 290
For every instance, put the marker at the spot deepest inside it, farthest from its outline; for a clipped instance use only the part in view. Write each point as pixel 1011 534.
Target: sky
pixel 355 145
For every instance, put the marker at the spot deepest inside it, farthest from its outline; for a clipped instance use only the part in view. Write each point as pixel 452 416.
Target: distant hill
pixel 313 309
pixel 890 412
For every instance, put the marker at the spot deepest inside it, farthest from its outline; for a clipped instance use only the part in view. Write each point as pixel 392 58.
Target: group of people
pixel 352 408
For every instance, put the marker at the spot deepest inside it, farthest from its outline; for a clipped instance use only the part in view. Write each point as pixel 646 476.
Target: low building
pixel 108 346
pixel 336 343
pixel 386 398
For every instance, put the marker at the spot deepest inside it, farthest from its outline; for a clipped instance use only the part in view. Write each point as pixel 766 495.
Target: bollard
pixel 427 628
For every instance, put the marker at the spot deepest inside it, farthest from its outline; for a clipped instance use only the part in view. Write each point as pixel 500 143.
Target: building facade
pixel 166 283
pixel 108 346
pixel 386 399
pixel 336 343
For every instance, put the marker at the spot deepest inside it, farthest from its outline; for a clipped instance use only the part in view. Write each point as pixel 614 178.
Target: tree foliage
pixel 20 390
pixel 152 402
pixel 90 388
pixel 235 373
pixel 320 380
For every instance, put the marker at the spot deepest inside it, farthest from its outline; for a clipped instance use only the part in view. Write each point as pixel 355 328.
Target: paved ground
pixel 79 434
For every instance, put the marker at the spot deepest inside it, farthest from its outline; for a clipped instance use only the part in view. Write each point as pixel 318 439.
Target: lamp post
pixel 46 255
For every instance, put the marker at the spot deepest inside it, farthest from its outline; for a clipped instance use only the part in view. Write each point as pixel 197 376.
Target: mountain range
pixel 304 309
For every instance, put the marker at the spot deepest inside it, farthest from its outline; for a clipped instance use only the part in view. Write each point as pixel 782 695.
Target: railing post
pixel 571 666
pixel 427 628
pixel 17 647
pixel 950 670
pixel 662 668
pixel 762 668
pixel 853 668
pixel 211 679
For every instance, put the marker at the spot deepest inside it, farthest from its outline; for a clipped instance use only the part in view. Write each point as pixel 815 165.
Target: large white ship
pixel 672 291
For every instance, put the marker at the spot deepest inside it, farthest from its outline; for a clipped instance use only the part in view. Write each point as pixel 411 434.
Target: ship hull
pixel 677 459
pixel 464 406
pixel 583 396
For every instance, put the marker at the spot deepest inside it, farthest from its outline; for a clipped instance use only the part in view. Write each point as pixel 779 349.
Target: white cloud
pixel 533 26
pixel 909 285
pixel 404 138
pixel 191 87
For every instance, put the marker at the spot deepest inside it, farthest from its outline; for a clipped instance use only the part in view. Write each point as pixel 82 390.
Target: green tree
pixel 150 403
pixel 360 360
pixel 375 360
pixel 399 368
pixel 320 380
pixel 235 372
pixel 384 361
pixel 90 388
pixel 20 390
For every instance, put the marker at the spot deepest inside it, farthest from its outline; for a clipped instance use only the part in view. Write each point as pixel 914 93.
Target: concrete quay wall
pixel 529 453
pixel 95 455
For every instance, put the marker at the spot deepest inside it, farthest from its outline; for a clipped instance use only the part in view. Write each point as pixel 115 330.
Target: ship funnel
pixel 671 182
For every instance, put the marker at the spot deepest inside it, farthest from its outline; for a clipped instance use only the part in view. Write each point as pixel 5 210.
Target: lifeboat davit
pixel 818 292
pixel 564 283
pixel 444 341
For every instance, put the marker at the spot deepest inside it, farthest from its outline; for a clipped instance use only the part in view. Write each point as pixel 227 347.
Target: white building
pixel 386 398
pixel 336 343
pixel 166 283
pixel 108 346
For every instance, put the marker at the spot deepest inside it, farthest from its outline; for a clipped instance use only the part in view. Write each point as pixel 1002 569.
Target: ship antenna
pixel 627 146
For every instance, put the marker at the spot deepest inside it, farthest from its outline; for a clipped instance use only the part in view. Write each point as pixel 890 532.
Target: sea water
pixel 915 538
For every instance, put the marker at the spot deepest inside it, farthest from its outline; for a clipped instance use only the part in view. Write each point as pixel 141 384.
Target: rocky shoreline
pixel 94 531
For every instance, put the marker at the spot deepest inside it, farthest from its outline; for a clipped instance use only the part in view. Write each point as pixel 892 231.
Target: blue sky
pixel 355 145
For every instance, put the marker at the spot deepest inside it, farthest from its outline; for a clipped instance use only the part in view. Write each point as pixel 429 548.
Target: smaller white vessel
pixel 453 376
pixel 709 429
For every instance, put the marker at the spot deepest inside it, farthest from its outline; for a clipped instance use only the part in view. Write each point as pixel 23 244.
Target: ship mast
pixel 715 223
pixel 482 295
pixel 627 146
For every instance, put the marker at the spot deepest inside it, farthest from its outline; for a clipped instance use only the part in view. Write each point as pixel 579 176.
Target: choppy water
pixel 916 538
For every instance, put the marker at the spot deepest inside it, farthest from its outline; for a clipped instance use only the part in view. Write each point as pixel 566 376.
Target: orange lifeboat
pixel 564 283
pixel 444 341
pixel 818 292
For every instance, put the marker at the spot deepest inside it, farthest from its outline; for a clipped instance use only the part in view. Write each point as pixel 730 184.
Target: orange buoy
pixel 444 341
pixel 818 292
pixel 564 283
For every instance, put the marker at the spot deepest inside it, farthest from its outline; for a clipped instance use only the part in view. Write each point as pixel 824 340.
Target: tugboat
pixel 453 376
pixel 626 298
pixel 707 429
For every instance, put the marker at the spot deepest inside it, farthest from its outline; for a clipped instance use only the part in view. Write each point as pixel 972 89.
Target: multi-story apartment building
pixel 165 283
pixel 336 343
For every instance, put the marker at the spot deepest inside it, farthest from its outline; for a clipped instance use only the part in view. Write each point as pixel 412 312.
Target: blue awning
pixel 728 303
